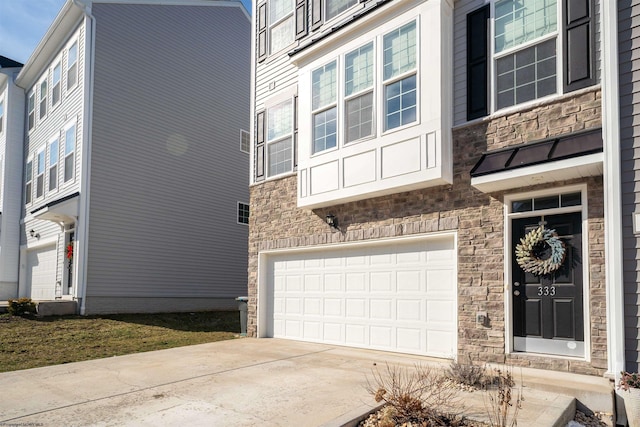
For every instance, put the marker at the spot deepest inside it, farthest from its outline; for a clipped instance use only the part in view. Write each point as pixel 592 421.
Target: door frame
pixel 508 260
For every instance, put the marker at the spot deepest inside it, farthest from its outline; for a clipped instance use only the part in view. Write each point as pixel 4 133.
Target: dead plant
pixel 467 374
pixel 419 395
pixel 502 402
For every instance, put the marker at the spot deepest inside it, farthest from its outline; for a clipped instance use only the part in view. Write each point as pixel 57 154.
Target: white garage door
pixel 396 297
pixel 41 273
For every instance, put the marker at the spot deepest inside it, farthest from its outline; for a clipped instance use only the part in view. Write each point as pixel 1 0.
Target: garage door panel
pixel 41 273
pixel 395 297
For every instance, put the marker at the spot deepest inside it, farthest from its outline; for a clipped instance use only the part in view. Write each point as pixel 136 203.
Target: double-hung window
pixel 525 50
pixel 280 138
pixel 358 92
pixel 1 116
pixel 400 76
pixel 53 164
pixel 69 150
pixel 40 173
pixel 28 181
pixel 43 98
pixel 56 86
pixel 537 48
pixel 72 65
pixel 31 110
pixel 281 24
pixel 324 106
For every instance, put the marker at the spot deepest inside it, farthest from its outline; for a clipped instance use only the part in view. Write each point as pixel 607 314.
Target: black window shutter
pixel 259 160
pixel 301 18
pixel 579 44
pixel 295 132
pixel 316 13
pixel 262 32
pixel 477 61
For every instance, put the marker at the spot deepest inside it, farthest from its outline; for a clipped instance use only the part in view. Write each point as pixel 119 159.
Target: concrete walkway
pixel 243 382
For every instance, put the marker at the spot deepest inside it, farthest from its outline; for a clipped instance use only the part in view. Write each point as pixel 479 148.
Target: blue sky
pixel 24 22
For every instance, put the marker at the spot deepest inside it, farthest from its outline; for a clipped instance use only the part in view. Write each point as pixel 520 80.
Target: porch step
pixel 56 308
pixel 594 393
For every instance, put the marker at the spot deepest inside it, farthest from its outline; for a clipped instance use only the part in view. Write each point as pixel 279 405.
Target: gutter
pixel 83 214
pixel 614 263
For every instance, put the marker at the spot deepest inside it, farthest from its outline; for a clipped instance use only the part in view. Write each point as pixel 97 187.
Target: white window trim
pixel 493 57
pixel 68 126
pixel 508 260
pixel 244 133
pixel 57 62
pixel 238 213
pixel 39 100
pixel 48 165
pixel 28 180
pixel 287 94
pixel 77 62
pixel 31 93
pixel 42 150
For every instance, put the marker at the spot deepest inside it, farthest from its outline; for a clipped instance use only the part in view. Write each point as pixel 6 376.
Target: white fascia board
pixel 577 167
pixel 61 28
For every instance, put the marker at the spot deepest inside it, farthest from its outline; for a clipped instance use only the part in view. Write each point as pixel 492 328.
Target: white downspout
pixel 613 190
pixel 83 229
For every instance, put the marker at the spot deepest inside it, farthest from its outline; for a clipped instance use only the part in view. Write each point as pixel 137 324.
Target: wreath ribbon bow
pixel 530 262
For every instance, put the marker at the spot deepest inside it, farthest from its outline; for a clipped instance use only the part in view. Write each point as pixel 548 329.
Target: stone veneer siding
pixel 478 218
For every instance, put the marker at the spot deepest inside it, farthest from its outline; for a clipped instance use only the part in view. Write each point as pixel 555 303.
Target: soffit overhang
pixel 61 211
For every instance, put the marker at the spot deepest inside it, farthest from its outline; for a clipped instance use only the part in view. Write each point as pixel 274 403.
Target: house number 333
pixel 546 291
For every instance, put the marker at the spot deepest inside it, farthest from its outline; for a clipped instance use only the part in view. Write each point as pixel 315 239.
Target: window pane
pixel 56 74
pixel 359 117
pixel 324 130
pixel 68 168
pixel 53 153
pixel 279 157
pixel 573 199
pixel 400 103
pixel 336 7
pixel 279 121
pixel 323 86
pixel 278 9
pixel 520 21
pixel 282 35
pixel 522 205
pixel 527 74
pixel 546 202
pixel 73 55
pixel 53 177
pixel 400 50
pixel 40 162
pixel 358 69
pixel 43 99
pixel 70 140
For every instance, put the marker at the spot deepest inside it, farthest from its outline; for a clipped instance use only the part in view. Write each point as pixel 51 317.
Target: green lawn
pixel 31 342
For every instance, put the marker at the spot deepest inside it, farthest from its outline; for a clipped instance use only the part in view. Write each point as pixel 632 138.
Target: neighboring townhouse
pixel 11 126
pixel 136 153
pixel 427 177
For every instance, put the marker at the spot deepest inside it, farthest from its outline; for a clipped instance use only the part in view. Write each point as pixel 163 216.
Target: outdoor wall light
pixel 332 221
pixel 33 233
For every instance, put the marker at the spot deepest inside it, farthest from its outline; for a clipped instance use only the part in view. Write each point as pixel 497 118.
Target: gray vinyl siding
pixel 461 9
pixel 171 93
pixel 629 66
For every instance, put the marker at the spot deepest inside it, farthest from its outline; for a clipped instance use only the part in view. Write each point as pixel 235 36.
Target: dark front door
pixel 548 309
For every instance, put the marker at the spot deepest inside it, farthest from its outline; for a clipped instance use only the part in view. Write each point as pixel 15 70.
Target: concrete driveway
pixel 243 382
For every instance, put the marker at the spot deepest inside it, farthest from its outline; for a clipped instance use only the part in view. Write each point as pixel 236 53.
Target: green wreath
pixel 530 262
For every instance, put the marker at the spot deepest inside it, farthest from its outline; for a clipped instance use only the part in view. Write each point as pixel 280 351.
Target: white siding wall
pixel 10 185
pixel 69 109
pixel 171 95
